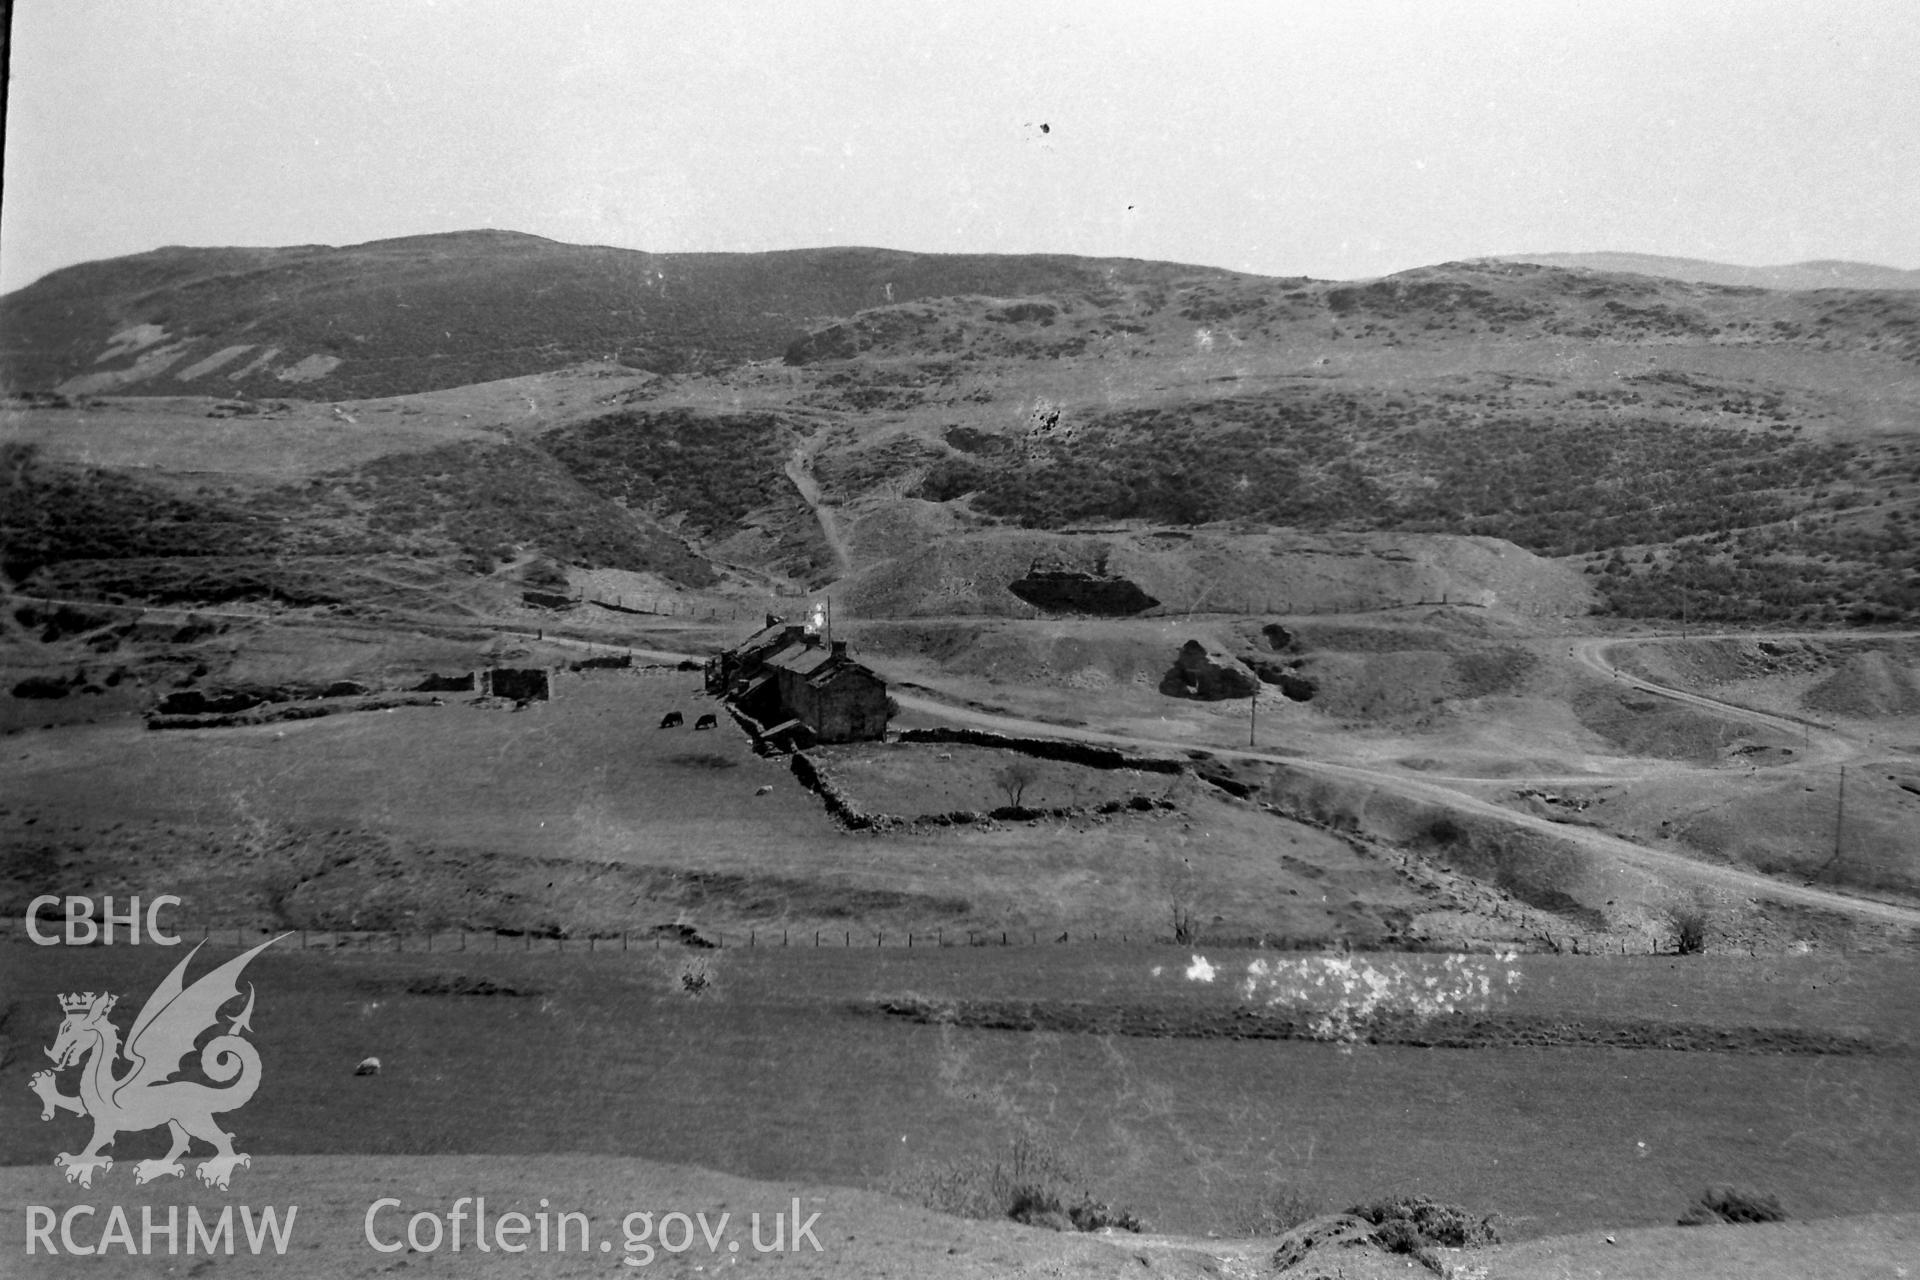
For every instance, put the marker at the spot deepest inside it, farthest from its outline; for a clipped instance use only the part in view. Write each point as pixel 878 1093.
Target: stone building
pixel 798 688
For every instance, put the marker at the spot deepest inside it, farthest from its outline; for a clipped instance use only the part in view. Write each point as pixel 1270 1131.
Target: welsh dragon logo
pixel 144 1095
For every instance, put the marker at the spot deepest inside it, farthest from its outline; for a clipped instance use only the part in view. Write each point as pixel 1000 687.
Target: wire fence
pixel 445 942
pixel 240 937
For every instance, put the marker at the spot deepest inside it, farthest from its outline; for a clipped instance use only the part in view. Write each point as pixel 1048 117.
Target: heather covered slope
pixel 1694 450
pixel 428 312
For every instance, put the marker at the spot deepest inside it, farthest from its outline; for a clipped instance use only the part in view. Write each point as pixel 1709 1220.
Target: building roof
pixel 801 659
pixel 762 638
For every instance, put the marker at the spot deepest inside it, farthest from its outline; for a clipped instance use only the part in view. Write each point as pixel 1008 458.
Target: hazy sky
pixel 1339 138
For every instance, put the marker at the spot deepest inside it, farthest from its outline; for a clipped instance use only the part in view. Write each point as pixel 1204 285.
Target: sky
pixel 1337 139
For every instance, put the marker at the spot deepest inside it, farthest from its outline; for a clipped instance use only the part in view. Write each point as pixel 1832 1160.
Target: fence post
pixel 752 937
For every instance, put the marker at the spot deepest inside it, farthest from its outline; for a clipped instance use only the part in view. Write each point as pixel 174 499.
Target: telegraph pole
pixel 1839 816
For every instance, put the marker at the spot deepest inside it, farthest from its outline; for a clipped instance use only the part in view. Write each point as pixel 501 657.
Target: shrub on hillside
pixel 1028 1181
pixel 1689 930
pixel 711 470
pixel 1427 1221
pixel 1415 1225
pixel 1728 1204
pixel 483 500
pixel 51 513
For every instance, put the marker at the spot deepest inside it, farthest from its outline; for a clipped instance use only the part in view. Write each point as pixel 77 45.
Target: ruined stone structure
pixel 522 684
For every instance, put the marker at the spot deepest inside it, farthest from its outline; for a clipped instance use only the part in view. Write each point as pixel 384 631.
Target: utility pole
pixel 1839 816
pixel 1253 713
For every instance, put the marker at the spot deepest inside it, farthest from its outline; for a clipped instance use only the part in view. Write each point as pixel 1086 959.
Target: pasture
pixel 581 815
pixel 770 1072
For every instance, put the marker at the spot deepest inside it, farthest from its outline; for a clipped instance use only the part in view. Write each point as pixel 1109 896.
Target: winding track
pixel 1672 865
pixel 1823 744
pixel 799 469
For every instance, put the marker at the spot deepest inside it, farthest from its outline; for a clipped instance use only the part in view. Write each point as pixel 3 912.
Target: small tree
pixel 1689 929
pixel 1186 931
pixel 1015 779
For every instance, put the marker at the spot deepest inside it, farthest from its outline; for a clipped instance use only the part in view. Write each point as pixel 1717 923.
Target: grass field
pixel 581 815
pixel 768 1075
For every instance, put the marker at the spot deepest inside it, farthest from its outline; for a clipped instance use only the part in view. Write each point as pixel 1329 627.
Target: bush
pixel 1036 1206
pixel 1029 1181
pixel 1689 931
pixel 1727 1204
pixel 1425 1221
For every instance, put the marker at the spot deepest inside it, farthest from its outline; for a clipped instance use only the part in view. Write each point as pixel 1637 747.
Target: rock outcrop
pixel 1209 675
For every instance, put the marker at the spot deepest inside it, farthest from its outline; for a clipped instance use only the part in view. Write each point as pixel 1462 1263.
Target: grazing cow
pixel 706 721
pixel 671 720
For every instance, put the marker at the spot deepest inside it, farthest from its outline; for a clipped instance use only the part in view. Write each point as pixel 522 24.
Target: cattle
pixel 706 722
pixel 671 720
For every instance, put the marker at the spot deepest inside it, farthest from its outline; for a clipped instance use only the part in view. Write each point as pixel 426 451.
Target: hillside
pixel 426 312
pixel 1695 450
pixel 1828 274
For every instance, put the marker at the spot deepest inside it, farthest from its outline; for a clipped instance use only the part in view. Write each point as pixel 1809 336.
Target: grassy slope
pixel 1193 1134
pixel 579 815
pixel 443 311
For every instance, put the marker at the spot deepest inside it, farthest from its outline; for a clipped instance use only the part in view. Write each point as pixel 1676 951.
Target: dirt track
pixel 799 469
pixel 1745 883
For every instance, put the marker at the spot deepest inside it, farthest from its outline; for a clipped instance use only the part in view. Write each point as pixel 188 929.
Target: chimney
pixel 839 648
pixel 774 620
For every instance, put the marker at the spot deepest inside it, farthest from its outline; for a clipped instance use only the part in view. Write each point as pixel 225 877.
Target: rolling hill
pixel 1823 274
pixel 1691 449
pixel 427 312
